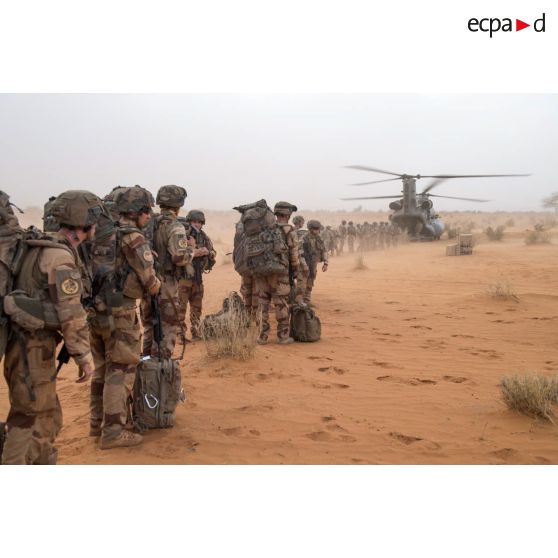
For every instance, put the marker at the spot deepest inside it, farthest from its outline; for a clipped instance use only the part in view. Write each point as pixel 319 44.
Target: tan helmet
pixel 195 215
pixel 76 208
pixel 298 220
pixel 134 200
pixel 314 224
pixel 171 196
pixel 49 222
pixel 284 208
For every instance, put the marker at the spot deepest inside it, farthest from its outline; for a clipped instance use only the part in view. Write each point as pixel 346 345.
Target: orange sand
pixel 407 370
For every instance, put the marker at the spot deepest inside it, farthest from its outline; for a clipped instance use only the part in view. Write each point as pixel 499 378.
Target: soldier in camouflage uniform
pixel 342 235
pixel 275 288
pixel 314 251
pixel 190 287
pixel 247 280
pixel 175 254
pixel 302 274
pixel 351 235
pixel 126 273
pixel 51 276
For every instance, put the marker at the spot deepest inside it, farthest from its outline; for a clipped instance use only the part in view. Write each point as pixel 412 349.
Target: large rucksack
pixel 11 255
pixel 157 391
pixel 305 324
pixel 260 246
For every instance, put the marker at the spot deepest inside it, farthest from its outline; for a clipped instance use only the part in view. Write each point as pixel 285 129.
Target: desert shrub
pixel 510 223
pixel 231 333
pixel 538 236
pixel 451 232
pixel 495 234
pixel 530 394
pixel 502 290
pixel 359 263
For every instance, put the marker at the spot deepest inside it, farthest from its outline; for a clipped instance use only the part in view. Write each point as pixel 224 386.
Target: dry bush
pixel 230 334
pixel 538 236
pixel 495 234
pixel 532 395
pixel 502 290
pixel 359 263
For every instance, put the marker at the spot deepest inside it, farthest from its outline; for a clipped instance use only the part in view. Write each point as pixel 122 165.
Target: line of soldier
pixel 366 236
pixel 294 283
pixel 82 283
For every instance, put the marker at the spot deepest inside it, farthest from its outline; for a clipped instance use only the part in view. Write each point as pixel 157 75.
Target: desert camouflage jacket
pixel 170 243
pixel 291 239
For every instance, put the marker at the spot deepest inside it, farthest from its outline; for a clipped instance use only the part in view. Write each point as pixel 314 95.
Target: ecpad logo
pixel 493 25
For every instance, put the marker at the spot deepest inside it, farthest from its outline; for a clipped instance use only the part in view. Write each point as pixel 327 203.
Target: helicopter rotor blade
pixel 374 182
pixel 454 198
pixel 433 184
pixel 468 175
pixel 374 198
pixel 362 167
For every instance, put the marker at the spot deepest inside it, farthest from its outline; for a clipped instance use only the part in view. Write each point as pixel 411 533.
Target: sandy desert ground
pixel 407 370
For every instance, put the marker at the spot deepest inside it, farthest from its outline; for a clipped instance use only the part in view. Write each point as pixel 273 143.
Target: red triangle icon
pixel 519 25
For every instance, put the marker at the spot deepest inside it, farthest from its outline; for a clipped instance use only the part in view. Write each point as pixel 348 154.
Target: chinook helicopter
pixel 414 212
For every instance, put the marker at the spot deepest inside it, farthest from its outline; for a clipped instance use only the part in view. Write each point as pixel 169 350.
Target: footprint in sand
pixel 420 327
pixel 320 436
pixel 455 379
pixel 505 453
pixel 381 364
pixel 328 418
pixel 319 358
pixel 408 381
pixel 335 369
pixel 255 408
pixel 404 438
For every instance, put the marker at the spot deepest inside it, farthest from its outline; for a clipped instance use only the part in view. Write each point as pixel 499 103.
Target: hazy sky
pixel 231 149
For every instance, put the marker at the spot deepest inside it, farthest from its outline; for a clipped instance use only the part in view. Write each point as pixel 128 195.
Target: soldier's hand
pixel 324 267
pixel 85 372
pixel 200 252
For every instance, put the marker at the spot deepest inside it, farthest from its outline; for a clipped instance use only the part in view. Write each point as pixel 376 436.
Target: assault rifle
pixel 157 324
pixel 292 294
pixel 309 258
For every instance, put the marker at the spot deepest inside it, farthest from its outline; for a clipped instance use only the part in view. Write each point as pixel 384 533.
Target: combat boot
pixel 125 439
pixel 95 431
pixel 262 340
pixel 285 340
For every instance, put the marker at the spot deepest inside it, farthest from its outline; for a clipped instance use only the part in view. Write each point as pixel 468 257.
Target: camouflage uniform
pixel 351 235
pixel 173 257
pixel 316 249
pixel 275 288
pixel 342 235
pixel 50 274
pixel 114 326
pixel 190 287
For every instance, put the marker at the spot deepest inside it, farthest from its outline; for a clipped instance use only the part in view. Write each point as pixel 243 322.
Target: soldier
pixel 381 236
pixel 274 288
pixel 314 251
pixel 174 253
pixel 342 235
pixel 50 276
pixel 123 275
pixel 351 235
pixel 190 288
pixel 302 275
pixel 247 280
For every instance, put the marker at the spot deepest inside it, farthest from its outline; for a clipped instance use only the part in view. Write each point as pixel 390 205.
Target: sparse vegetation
pixel 502 290
pixel 539 235
pixel 230 333
pixel 359 263
pixel 531 394
pixel 510 223
pixel 495 234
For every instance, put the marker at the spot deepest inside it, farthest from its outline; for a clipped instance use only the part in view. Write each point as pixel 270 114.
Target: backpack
pixel 213 324
pixel 12 249
pixel 157 391
pixel 263 246
pixel 305 324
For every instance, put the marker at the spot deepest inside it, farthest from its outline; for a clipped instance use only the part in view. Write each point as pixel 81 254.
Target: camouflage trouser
pixel 170 320
pixel 116 353
pixel 306 283
pixel 274 289
pixel 341 244
pixel 249 294
pixel 190 292
pixel 351 241
pixel 33 425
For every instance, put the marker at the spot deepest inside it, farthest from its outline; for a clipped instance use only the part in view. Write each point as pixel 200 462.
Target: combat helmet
pixel 343 222
pixel 171 196
pixel 314 224
pixel 284 208
pixel 298 220
pixel 134 200
pixel 76 208
pixel 49 222
pixel 196 215
pixel 350 222
pixel 110 200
